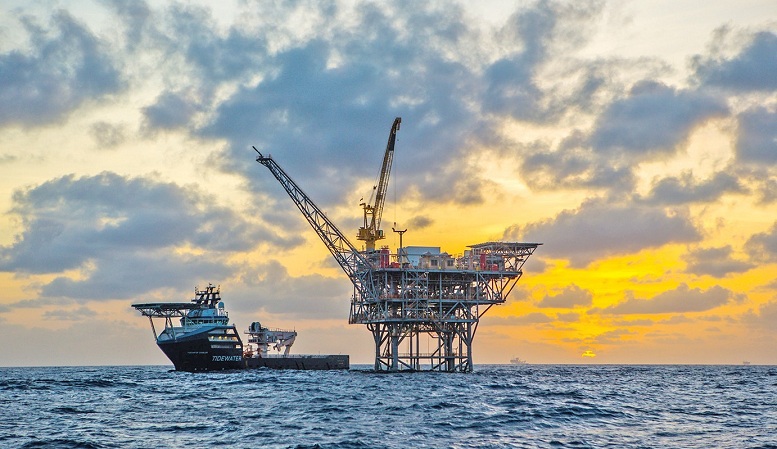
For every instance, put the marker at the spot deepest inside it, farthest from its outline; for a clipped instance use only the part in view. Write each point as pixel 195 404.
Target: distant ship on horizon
pixel 518 361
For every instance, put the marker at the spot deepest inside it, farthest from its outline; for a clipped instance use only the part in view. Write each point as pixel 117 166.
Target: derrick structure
pixel 404 296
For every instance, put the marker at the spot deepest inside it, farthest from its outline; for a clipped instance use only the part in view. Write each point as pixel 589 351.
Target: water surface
pixel 497 406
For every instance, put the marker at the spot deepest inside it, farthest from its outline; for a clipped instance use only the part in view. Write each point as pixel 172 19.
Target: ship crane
pixel 432 293
pixel 370 231
pixel 354 263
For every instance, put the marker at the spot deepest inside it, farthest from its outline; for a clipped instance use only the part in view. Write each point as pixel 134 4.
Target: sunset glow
pixel 638 144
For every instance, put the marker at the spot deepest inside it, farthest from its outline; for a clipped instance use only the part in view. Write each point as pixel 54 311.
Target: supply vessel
pixel 204 340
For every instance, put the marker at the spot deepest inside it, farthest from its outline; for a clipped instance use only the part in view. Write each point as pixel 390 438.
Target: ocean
pixel 496 406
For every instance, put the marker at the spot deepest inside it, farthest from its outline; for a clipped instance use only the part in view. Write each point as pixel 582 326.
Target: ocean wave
pixel 496 406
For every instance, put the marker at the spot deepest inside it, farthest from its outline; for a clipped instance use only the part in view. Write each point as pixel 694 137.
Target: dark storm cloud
pixel 680 300
pixel 752 69
pixel 757 136
pixel 601 229
pixel 65 66
pixel 715 262
pixel 686 189
pixel 570 297
pixel 123 230
pixel 763 246
pixel 653 119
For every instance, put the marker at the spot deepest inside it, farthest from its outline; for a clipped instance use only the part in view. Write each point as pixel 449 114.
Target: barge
pixel 204 340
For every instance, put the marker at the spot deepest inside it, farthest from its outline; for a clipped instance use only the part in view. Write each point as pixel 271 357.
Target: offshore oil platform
pixel 417 290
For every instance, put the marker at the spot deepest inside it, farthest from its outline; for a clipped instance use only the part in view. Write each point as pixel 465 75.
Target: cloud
pixel 613 336
pixel 214 56
pixel 629 125
pixel 170 110
pixel 121 276
pixel 765 318
pixel 513 82
pixel 624 132
pixel 599 229
pixel 322 106
pixel 107 135
pixel 120 231
pixel 269 289
pixel 752 69
pixel 65 66
pixel 135 19
pixel 529 318
pixel 763 246
pixel 572 168
pixel 571 317
pixel 69 220
pixel 715 262
pixel 570 297
pixel 768 190
pixel 757 136
pixel 510 81
pixel 419 222
pixel 319 122
pixel 685 189
pixel 680 300
pixel 73 314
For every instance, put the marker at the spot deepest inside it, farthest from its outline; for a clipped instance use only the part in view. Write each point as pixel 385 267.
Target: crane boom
pixel 385 171
pixel 370 232
pixel 349 258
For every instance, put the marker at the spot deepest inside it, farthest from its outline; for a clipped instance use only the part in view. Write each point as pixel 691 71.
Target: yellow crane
pixel 370 232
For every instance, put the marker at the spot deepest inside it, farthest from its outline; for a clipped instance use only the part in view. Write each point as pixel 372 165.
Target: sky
pixel 636 140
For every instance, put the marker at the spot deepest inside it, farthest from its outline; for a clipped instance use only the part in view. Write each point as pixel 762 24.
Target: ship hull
pixel 300 362
pixel 196 352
